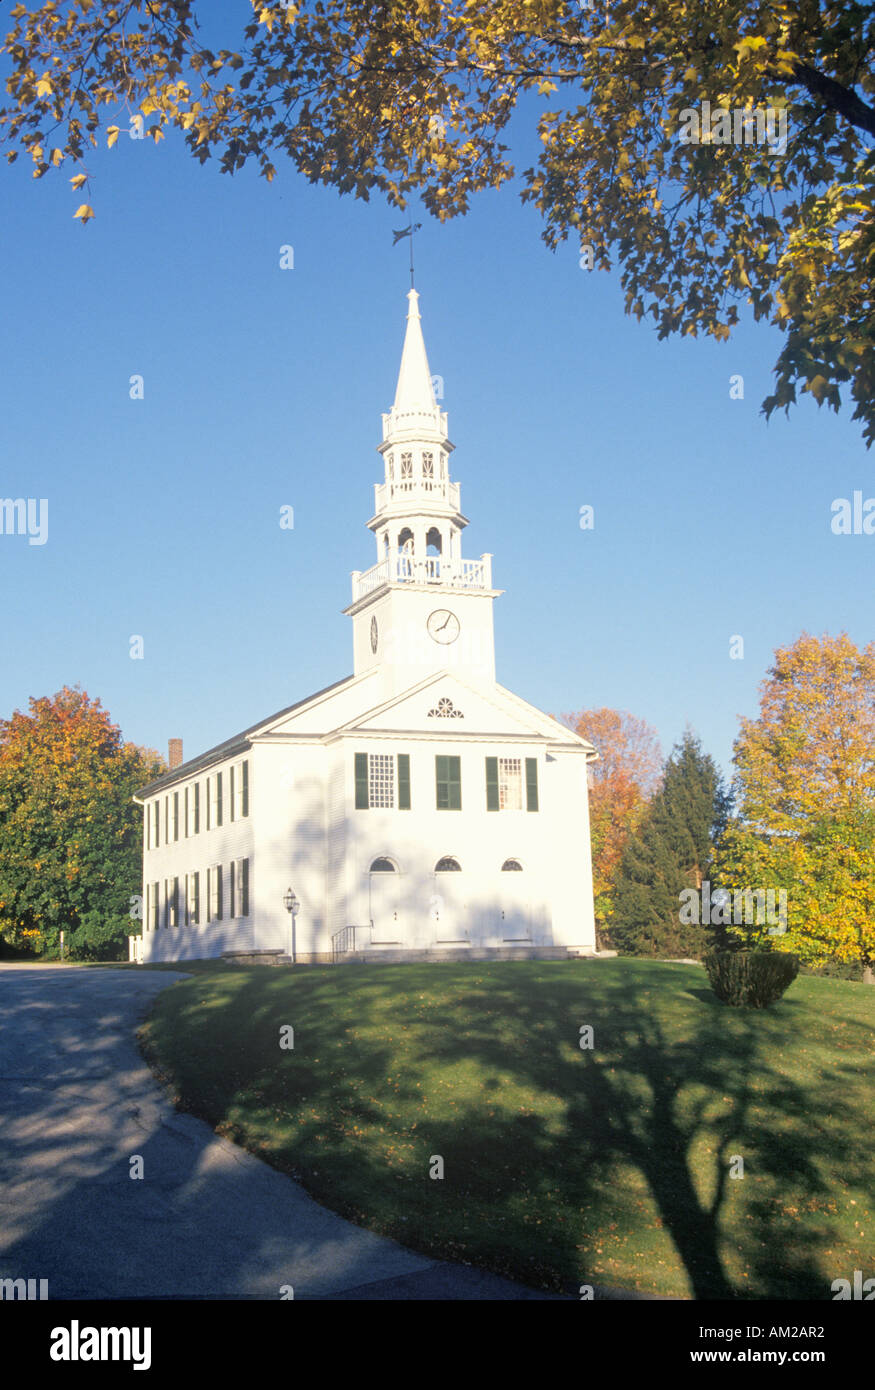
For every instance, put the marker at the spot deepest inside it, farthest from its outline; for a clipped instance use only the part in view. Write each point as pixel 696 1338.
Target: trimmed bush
pixel 757 978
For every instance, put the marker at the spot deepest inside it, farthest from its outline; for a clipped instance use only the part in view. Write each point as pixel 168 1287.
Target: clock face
pixel 443 625
pixel 375 634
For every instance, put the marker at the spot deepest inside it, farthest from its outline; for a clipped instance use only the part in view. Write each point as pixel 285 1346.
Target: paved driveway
pixel 207 1221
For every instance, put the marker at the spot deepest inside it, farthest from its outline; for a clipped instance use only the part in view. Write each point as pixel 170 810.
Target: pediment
pixel 444 704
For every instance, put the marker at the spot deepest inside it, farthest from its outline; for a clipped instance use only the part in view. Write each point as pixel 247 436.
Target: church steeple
pixel 417 507
pixel 414 394
pixel 420 577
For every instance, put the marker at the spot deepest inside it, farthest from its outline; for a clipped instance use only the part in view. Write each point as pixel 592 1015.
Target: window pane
pixel 510 784
pixel 381 780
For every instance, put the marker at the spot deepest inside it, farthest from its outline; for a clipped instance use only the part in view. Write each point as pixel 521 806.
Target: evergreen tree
pixel 671 851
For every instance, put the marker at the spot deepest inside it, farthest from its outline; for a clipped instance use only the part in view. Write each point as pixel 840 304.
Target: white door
pixel 449 919
pixel 514 907
pixel 386 911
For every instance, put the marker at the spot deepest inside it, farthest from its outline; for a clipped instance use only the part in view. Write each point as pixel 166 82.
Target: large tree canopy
pixel 805 786
pixel 414 95
pixel 70 834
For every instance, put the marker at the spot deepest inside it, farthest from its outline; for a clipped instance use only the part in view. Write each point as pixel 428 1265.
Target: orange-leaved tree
pixel 70 835
pixel 621 783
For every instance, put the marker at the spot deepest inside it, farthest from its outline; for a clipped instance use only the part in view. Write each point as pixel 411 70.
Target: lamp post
pixel 291 906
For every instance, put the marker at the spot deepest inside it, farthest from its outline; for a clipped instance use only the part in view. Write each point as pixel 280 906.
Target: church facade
pixel 415 806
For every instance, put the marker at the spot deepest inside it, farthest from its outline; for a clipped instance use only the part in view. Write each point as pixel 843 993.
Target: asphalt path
pixel 207 1220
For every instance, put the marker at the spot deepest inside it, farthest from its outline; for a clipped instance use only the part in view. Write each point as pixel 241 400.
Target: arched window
pixel 447 865
pixel 434 542
pixel 511 866
pixel 383 866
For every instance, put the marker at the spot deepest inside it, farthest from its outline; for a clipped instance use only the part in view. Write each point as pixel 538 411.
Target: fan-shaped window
pixel 511 866
pixel 447 865
pixel 383 866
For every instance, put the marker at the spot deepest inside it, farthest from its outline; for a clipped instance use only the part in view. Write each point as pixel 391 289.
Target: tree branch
pixel 835 96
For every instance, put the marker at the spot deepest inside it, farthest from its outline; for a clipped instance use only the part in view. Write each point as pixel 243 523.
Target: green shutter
pixel 245 792
pixel 441 782
pixel 244 888
pixel 492 802
pixel 361 781
pixel 197 807
pixel 448 775
pixel 455 784
pixel 403 781
pixel 231 807
pixel 218 798
pixel 531 784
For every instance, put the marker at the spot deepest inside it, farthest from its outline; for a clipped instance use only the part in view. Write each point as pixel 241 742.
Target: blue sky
pixel 264 388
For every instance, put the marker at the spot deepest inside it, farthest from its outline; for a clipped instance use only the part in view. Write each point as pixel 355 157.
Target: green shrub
pixel 756 978
pixel 836 969
pixel 100 937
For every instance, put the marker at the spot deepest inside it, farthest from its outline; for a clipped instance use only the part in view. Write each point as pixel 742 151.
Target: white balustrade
pixel 403 568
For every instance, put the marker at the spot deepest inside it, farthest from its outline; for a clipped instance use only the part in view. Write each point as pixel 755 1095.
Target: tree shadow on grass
pixel 552 1154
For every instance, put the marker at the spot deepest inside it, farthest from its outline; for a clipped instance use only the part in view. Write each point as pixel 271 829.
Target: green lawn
pixel 562 1166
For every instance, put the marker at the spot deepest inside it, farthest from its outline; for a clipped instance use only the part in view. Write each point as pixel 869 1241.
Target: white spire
pixel 414 393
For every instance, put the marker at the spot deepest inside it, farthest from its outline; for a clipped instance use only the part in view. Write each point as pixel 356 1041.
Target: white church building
pixel 414 809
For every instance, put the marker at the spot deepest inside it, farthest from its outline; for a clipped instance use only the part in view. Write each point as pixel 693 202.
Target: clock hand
pixel 443 625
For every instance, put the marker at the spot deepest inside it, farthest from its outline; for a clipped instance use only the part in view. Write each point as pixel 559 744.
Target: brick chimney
pixel 174 752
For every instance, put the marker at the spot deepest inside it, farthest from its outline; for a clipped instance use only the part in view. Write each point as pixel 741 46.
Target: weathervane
pixel 399 236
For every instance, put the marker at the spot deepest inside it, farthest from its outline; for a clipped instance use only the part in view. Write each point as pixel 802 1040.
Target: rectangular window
pixel 448 774
pixel 510 784
pixel 239 792
pixel 214 893
pixel 192 899
pixel 171 812
pixel 171 902
pixel 376 777
pixel 240 888
pixel 531 784
pixel 193 809
pixel 381 780
pixel 214 801
pixel 153 907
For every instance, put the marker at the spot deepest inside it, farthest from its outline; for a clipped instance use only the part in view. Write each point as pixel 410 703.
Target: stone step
pixel 389 955
pixel 256 958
